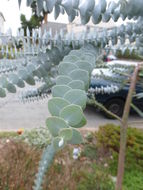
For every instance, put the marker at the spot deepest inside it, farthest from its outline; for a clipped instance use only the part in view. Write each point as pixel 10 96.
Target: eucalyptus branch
pixel 102 107
pixel 121 73
pixel 45 163
pixel 137 110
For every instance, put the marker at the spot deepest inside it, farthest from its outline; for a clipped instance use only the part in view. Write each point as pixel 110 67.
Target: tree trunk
pixel 123 131
pixel 46 18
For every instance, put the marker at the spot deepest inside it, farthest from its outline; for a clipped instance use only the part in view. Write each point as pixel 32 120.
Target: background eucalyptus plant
pixel 64 62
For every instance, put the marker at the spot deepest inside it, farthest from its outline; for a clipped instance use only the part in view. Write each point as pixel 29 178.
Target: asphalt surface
pixel 15 115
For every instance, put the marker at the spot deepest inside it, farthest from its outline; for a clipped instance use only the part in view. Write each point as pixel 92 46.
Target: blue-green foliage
pixel 66 108
pixel 42 67
pixel 74 69
pixel 68 101
pixel 44 62
pixel 89 9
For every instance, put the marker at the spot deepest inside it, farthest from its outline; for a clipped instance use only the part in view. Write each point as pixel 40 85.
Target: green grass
pixel 108 141
pixel 133 177
pixel 96 179
pixel 8 134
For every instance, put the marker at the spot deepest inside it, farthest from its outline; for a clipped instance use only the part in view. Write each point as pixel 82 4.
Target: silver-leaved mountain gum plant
pixel 41 59
pixel 64 63
pixel 97 10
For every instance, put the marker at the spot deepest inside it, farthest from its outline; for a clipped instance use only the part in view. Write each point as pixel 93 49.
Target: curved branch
pixel 99 105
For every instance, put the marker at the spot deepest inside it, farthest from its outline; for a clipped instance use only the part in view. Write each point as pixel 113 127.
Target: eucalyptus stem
pixel 99 105
pixel 44 165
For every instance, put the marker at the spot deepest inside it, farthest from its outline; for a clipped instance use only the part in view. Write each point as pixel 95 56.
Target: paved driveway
pixel 15 115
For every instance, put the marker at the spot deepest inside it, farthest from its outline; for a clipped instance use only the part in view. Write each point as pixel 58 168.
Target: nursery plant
pixel 64 62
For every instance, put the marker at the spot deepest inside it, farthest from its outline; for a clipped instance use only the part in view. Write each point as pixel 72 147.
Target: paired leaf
pixel 73 115
pixel 30 80
pixel 20 83
pixel 30 68
pixel 39 6
pixel 71 58
pixel 57 143
pixel 60 90
pixel 29 2
pixel 76 137
pixel 3 81
pixel 87 66
pixel 82 75
pixel 37 73
pixel 55 105
pixel 42 71
pixel 2 93
pixel 139 96
pixel 66 134
pixel 77 97
pixel 63 79
pixel 54 125
pixel 66 67
pixel 139 112
pixel 11 88
pixel 76 53
pixel 13 78
pixel 77 84
pixel 22 73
